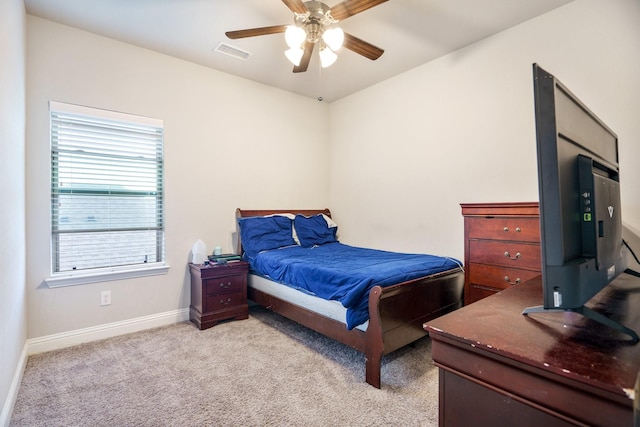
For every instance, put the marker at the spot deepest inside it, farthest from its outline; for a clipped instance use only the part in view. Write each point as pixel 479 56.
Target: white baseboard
pixel 108 330
pixel 7 408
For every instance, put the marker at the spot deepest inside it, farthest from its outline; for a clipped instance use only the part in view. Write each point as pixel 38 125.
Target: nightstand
pixel 218 292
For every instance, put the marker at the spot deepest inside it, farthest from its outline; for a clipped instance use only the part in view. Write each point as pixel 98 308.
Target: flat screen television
pixel 580 210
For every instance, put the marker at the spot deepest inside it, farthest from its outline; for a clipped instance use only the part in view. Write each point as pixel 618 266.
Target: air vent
pixel 233 51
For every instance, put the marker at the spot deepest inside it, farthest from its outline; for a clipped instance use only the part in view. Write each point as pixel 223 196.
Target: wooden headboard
pixel 244 213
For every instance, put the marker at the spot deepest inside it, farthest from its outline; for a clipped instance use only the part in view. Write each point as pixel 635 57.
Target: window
pixel 107 193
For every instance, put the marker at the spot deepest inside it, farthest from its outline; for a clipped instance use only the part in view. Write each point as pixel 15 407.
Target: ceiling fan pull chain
pixel 320 98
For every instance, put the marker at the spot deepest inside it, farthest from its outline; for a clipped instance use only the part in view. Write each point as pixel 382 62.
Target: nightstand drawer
pixel 230 269
pixel 508 254
pixel 224 284
pixel 498 277
pixel 222 301
pixel 509 228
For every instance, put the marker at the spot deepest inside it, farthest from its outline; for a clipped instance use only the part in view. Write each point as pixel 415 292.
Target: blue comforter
pixel 336 271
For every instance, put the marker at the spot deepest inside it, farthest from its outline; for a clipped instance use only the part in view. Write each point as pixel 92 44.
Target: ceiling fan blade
pixel 361 47
pixel 306 57
pixel 349 8
pixel 252 32
pixel 296 6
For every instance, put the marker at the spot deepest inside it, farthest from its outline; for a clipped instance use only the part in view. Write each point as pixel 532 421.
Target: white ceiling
pixel 412 32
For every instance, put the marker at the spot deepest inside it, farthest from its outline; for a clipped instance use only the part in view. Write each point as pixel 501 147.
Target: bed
pixel 395 312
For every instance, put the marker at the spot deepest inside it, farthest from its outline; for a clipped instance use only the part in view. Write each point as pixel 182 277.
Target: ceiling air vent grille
pixel 233 51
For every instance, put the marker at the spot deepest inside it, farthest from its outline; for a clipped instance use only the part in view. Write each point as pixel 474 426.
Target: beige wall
pixel 407 152
pixel 229 143
pixel 13 309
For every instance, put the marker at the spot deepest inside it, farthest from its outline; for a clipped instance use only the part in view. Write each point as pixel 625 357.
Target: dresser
pixel 502 246
pixel 218 292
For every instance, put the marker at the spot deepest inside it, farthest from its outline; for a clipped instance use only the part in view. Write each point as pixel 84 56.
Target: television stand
pixel 588 313
pixel 500 368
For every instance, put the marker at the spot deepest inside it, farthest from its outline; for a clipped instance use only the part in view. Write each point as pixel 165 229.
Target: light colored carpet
pixel 263 371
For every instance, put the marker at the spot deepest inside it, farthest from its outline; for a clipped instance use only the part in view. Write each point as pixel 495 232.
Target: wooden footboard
pixel 397 313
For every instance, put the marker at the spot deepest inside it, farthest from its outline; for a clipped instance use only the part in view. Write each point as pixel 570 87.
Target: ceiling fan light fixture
pixel 294 36
pixel 334 37
pixel 294 55
pixel 327 57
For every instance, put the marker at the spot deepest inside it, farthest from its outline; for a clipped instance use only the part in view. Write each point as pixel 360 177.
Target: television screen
pixel 580 209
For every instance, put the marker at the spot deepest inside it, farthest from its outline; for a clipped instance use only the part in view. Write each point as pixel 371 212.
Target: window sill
pixel 106 275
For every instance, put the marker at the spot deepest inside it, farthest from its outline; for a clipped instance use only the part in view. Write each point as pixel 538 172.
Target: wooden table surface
pixel 559 344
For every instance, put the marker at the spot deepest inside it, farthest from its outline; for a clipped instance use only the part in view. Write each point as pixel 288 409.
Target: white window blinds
pixel 107 189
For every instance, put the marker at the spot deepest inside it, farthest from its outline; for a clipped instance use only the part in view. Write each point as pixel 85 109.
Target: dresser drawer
pixel 222 301
pixel 498 277
pixel 224 284
pixel 477 292
pixel 525 229
pixel 508 254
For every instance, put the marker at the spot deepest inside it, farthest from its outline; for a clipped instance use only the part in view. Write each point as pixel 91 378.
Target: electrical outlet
pixel 105 298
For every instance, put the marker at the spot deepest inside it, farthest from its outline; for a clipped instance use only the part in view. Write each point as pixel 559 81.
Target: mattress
pixel 328 308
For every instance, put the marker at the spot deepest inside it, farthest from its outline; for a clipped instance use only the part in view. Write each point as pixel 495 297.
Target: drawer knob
pixel 517 281
pixel 508 255
pixel 225 285
pixel 227 302
pixel 518 229
pixel 506 229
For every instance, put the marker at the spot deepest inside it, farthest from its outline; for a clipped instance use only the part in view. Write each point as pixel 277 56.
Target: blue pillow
pixel 263 233
pixel 314 230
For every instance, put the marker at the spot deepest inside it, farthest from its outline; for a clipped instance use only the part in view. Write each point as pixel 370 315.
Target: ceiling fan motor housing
pixel 316 20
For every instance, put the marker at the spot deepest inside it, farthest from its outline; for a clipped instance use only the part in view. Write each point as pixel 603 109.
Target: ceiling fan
pixel 315 23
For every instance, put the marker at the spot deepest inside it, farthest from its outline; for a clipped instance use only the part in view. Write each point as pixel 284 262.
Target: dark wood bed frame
pixel 396 313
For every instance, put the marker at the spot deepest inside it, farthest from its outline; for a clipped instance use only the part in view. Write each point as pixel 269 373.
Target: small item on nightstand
pixel 198 252
pixel 217 250
pixel 224 257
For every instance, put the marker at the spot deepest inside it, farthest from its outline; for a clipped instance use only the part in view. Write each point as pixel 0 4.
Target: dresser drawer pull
pixel 516 282
pixel 227 302
pixel 225 285
pixel 508 255
pixel 518 229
